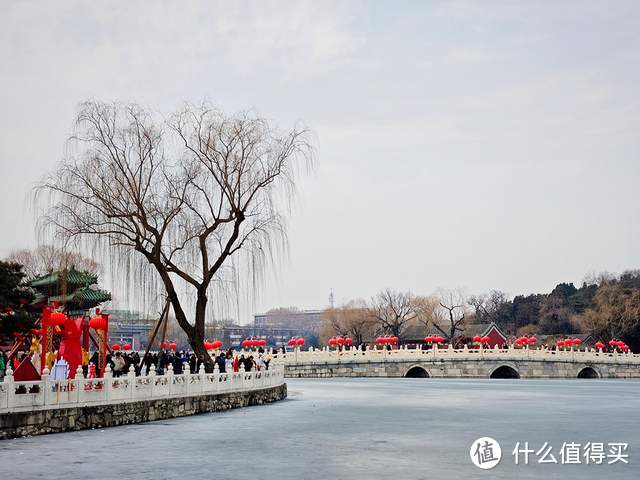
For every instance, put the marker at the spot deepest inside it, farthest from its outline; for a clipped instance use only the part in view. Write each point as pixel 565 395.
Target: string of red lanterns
pixel 348 341
pixel 431 339
pixel 524 341
pixel 215 345
pixel 293 342
pixel 387 340
pixel 252 342
pixel 569 343
pixel 481 340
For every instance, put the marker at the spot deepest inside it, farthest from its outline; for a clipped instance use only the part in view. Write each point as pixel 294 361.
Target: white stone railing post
pixel 46 386
pixel 202 374
pixel 152 379
pixel 169 375
pixel 107 382
pixel 11 388
pixel 78 384
pixel 131 376
pixel 241 369
pixel 216 377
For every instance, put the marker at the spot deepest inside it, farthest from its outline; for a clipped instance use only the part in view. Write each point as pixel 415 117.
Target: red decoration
pixel 348 340
pixel 477 339
pixel 115 347
pixel 612 343
pixel 216 344
pixel 98 322
pixel 173 346
pixel 57 318
pixel 299 342
pixel 560 343
pixel 292 342
pixel 428 339
pixel 127 346
pixel 339 340
pixel 576 341
pixel 333 341
pixel 485 339
pixel 533 340
pixel 599 345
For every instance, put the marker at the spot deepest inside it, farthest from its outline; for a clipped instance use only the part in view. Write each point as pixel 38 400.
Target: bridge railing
pixel 355 355
pixel 48 393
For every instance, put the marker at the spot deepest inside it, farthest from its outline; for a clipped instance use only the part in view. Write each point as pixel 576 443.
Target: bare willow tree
pixel 393 311
pixel 186 194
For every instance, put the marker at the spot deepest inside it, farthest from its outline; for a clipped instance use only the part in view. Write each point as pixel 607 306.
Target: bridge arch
pixel 505 371
pixel 416 371
pixel 588 372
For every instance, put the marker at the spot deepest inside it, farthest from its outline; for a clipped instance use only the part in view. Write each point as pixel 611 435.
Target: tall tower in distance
pixel 331 298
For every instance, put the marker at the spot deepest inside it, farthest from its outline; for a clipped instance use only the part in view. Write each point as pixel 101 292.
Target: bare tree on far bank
pixel 352 320
pixel 183 196
pixel 454 306
pixel 393 311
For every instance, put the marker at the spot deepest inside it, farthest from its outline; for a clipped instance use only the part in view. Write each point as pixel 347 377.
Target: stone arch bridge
pixel 462 363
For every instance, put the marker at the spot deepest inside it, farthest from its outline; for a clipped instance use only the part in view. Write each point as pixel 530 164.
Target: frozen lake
pixel 356 429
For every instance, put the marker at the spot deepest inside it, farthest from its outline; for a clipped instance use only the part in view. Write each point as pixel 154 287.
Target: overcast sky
pixel 460 144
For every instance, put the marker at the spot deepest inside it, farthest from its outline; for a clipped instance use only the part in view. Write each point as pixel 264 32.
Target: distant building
pixel 302 320
pixel 128 327
pixel 491 330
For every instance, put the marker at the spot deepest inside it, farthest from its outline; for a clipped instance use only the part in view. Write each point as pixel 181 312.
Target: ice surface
pixel 354 429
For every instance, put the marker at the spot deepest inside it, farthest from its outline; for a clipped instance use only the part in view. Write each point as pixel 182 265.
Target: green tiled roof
pixel 73 277
pixel 83 295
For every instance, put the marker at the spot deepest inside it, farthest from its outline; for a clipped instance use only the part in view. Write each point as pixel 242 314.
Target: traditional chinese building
pixel 491 330
pixel 76 290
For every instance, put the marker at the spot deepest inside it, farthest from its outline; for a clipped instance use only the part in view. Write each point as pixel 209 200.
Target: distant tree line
pixel 605 306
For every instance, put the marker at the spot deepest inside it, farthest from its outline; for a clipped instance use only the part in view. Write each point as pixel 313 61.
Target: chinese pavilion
pixel 76 291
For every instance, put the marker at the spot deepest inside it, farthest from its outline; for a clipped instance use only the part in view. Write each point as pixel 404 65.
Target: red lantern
pixel 299 342
pixel 620 343
pixel 394 340
pixel 533 340
pixel 98 323
pixel 428 339
pixel 57 318
pixel 332 342
pixel 612 343
pixel 246 343
pixel 484 339
pixel 379 340
pixel 115 347
pixel 217 344
pixel 576 341
pixel 477 339
pixel 127 346
pixel 339 340
pixel 173 346
pixel 292 342
pixel 560 343
pixel 599 345
pixel 348 340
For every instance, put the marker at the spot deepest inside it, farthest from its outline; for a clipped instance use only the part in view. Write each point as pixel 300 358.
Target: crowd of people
pixel 121 362
pixel 227 362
